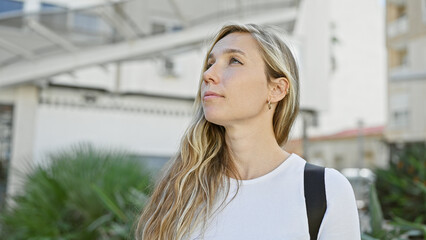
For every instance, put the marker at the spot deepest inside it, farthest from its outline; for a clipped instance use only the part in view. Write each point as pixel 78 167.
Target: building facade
pixel 406 45
pixel 351 148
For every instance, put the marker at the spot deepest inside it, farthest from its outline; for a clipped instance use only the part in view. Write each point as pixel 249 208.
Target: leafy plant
pixel 80 193
pixel 397 229
pixel 402 186
pixel 403 197
pixel 378 232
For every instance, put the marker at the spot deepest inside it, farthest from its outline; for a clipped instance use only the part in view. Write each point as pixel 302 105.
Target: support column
pixel 24 122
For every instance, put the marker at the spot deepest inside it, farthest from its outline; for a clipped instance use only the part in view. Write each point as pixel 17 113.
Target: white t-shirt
pixel 272 207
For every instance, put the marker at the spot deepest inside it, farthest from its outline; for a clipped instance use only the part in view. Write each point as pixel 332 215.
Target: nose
pixel 210 75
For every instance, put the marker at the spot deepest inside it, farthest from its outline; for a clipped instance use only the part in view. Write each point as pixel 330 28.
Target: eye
pixel 234 60
pixel 208 65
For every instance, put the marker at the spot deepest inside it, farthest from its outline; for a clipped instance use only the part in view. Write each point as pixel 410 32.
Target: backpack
pixel 315 199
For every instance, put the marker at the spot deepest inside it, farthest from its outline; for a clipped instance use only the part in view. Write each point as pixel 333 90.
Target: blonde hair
pixel 183 197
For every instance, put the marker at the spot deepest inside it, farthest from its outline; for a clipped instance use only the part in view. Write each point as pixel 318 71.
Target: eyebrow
pixel 229 51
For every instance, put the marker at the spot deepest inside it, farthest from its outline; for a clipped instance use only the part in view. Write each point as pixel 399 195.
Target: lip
pixel 210 94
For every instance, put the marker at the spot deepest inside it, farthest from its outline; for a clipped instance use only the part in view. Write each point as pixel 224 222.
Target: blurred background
pixel 79 78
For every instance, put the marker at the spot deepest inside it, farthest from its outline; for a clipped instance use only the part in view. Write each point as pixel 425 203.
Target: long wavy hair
pixel 187 189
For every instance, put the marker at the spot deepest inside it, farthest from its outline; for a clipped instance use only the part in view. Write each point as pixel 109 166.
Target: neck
pixel 254 150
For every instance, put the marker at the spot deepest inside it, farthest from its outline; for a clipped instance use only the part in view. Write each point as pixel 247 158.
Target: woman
pixel 231 178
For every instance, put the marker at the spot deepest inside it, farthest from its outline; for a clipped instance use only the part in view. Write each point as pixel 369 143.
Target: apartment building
pixel 406 46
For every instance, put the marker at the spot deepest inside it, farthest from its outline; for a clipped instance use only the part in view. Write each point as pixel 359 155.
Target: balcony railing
pixel 398 27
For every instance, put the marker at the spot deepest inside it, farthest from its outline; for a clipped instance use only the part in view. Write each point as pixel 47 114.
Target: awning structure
pixel 38 46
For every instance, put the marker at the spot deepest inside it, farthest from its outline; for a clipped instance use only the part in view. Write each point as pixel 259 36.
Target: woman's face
pixel 235 71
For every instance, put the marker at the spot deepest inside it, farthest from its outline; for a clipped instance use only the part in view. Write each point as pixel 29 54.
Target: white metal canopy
pixel 38 46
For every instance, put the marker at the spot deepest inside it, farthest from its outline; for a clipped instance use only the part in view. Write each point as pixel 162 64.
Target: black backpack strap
pixel 316 202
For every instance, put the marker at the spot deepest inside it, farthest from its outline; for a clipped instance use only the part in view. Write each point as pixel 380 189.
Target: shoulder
pixel 341 219
pixel 338 186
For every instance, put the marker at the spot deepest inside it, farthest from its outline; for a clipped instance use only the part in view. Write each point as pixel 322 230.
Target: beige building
pixel 406 46
pixel 351 148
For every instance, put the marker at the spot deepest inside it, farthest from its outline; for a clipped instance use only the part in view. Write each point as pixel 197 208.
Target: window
pixel 401 11
pixel 403 57
pixel 399 109
pixel 400 118
pixel 396 10
pixel 169 68
pixel 398 57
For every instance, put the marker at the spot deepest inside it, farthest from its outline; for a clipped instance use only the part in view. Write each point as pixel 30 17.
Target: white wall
pixel 311 36
pixel 145 133
pixel 357 89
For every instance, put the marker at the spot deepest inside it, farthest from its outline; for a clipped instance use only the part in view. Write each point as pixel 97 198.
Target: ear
pixel 278 89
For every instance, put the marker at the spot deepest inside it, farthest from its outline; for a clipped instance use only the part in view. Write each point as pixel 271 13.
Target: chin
pixel 214 119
